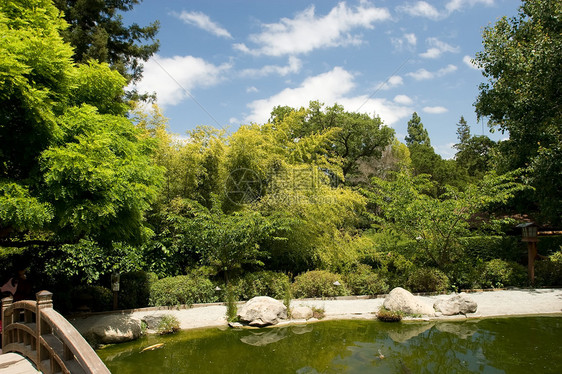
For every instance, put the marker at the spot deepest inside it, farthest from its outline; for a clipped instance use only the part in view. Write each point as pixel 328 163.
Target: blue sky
pixel 228 62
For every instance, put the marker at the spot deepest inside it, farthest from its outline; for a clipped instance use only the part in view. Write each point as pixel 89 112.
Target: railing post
pixel 44 301
pixel 6 303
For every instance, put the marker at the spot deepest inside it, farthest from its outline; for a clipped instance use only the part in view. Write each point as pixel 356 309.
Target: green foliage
pixel 361 280
pixel 95 298
pixel 72 166
pixel 287 295
pixel 386 315
pixel 549 272
pixel 428 280
pixel 417 134
pixel 489 247
pixel 20 210
pixel 438 224
pixel 260 283
pixel 182 289
pixel 100 176
pixel 168 325
pixel 231 305
pixel 135 289
pixel 318 283
pixel 318 312
pixel 499 273
pixel 99 86
pixel 96 31
pixel 521 59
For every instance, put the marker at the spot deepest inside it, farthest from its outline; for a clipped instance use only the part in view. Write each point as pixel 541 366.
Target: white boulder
pixel 262 311
pixel 109 329
pixel 400 300
pixel 458 304
pixel 301 312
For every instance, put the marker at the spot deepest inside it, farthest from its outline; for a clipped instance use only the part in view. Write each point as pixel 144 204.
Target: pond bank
pixel 512 302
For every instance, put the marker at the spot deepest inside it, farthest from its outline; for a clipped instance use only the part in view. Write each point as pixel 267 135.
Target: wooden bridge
pixel 34 330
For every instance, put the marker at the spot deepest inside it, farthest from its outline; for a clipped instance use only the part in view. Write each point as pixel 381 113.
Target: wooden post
pixel 6 303
pixel 44 301
pixel 532 254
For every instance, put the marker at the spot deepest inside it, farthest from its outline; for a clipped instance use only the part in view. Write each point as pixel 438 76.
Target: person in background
pixel 19 287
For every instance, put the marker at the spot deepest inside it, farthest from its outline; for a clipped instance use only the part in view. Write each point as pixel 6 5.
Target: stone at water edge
pixel 301 312
pixel 262 311
pixel 109 329
pixel 400 300
pixel 458 304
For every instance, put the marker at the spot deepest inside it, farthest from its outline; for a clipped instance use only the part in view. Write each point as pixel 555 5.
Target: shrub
pixel 386 315
pixel 486 248
pixel 363 281
pixel 96 298
pixel 318 312
pixel 168 324
pixel 261 283
pixel 135 289
pixel 231 306
pixel 549 272
pixel 182 289
pixel 393 267
pixel 318 283
pixel 499 273
pixel 428 280
pixel 465 274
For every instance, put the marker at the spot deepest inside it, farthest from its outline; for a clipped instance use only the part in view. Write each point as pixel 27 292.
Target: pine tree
pixel 417 134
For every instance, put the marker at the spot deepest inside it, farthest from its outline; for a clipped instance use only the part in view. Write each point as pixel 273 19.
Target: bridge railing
pixel 38 332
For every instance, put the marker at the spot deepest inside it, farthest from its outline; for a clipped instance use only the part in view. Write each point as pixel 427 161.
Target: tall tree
pixel 417 134
pixel 522 60
pixel 71 164
pixel 463 133
pixel 96 31
pixel 355 137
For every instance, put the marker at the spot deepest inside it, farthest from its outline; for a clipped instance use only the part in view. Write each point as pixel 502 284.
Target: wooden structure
pixel 529 234
pixel 38 332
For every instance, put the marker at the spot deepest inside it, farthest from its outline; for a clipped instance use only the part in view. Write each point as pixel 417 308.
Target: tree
pixel 355 136
pixel 437 224
pixel 71 164
pixel 476 155
pixel 522 61
pixel 463 133
pixel 96 31
pixel 417 134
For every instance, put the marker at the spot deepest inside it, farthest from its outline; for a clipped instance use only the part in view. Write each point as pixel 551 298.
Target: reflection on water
pixel 508 345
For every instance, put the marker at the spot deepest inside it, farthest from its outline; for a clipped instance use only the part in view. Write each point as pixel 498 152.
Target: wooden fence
pixel 38 332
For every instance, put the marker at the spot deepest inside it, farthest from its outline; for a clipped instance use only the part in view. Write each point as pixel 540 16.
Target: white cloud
pixel 393 81
pixel 407 41
pixel 423 74
pixel 437 48
pixel 456 5
pixel 468 61
pixel 170 77
pixel 421 9
pixel 403 99
pixel 329 88
pixel 426 10
pixel 435 109
pixel 307 31
pixel 203 21
pixel 445 150
pixel 252 89
pixel 294 66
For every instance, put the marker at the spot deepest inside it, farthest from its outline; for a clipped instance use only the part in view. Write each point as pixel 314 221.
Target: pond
pixel 502 345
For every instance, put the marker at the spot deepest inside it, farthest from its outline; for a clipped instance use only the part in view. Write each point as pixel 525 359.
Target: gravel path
pixel 490 304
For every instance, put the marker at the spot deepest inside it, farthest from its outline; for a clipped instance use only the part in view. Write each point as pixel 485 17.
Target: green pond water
pixel 503 345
